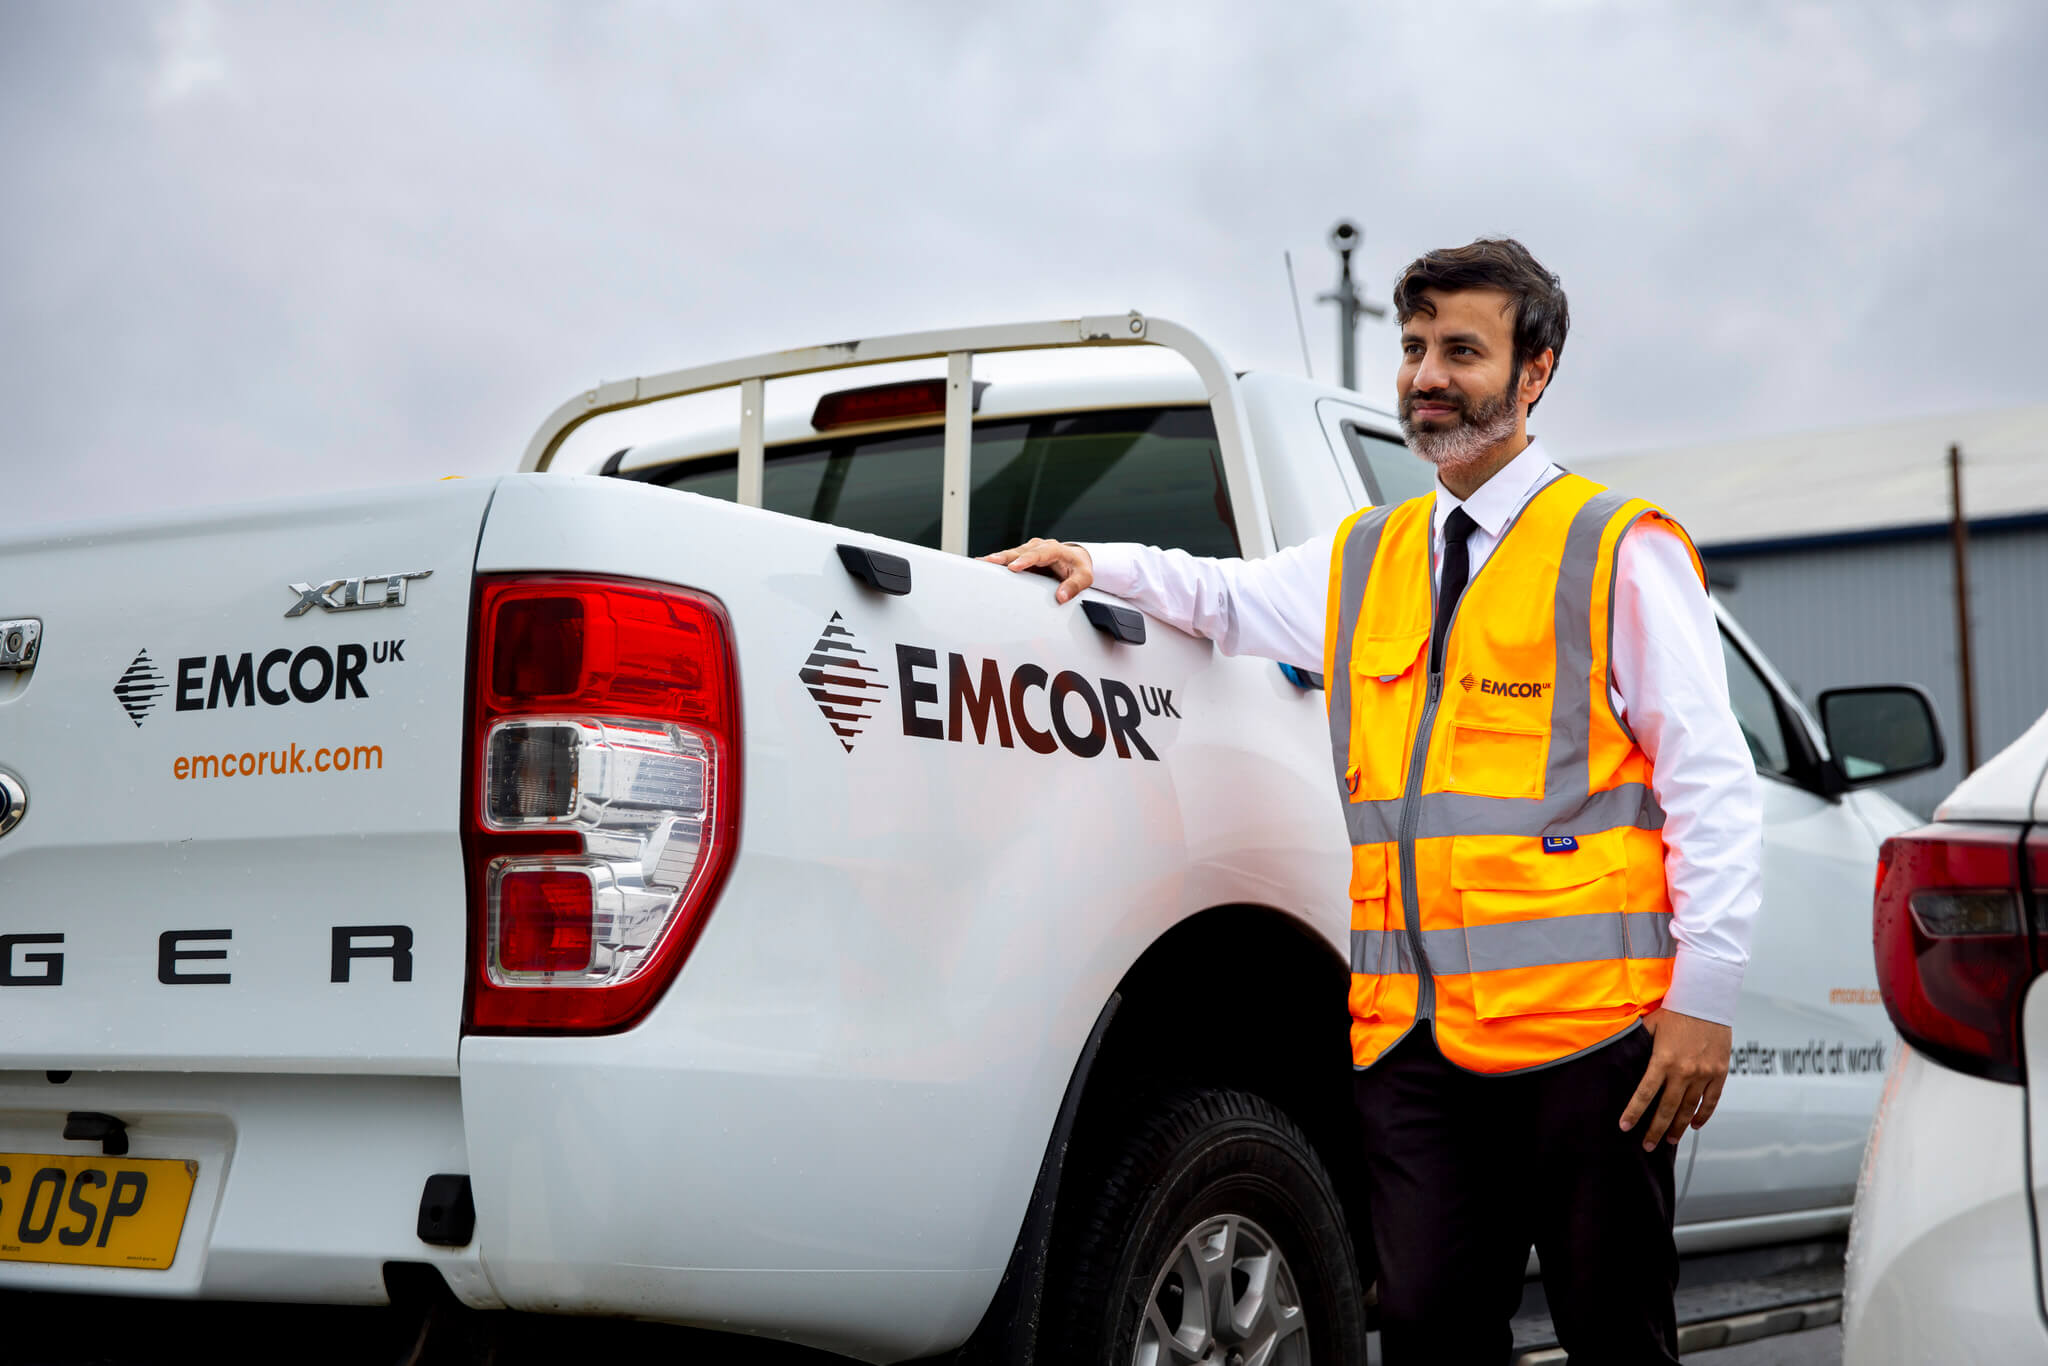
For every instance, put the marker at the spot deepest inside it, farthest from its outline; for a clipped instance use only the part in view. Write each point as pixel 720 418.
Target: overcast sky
pixel 256 249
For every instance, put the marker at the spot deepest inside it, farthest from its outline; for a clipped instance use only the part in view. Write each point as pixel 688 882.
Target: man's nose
pixel 1432 374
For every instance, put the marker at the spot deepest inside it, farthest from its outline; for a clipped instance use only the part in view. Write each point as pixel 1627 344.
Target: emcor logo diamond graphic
pixel 845 688
pixel 1466 682
pixel 139 688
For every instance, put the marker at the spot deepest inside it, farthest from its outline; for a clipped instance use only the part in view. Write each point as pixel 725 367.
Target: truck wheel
pixel 1215 1238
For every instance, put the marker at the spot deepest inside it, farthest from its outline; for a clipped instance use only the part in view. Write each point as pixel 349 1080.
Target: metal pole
pixel 1347 313
pixel 1344 239
pixel 1960 541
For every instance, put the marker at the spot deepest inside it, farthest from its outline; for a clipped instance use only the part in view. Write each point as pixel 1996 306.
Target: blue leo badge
pixel 1559 844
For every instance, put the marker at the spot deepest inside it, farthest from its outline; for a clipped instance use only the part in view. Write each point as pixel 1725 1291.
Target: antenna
pixel 1294 293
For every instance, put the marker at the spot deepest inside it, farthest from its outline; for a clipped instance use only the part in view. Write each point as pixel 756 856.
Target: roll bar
pixel 959 347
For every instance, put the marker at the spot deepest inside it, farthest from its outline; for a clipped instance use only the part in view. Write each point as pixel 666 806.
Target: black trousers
pixel 1466 1173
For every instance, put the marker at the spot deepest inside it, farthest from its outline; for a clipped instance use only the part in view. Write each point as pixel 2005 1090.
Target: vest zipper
pixel 1411 808
pixel 1425 997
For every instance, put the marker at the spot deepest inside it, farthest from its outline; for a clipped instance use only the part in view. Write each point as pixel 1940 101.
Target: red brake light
pixel 880 403
pixel 539 650
pixel 1954 952
pixel 886 403
pixel 601 796
pixel 544 921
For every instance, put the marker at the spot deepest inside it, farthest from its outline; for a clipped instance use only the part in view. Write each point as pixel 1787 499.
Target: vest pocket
pixel 1386 693
pixel 1543 931
pixel 1372 948
pixel 1492 759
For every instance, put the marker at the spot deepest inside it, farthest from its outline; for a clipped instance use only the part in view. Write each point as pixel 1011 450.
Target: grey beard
pixel 1491 423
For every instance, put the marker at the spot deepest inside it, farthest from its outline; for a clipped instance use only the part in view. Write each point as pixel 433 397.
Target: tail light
pixel 602 796
pixel 1958 943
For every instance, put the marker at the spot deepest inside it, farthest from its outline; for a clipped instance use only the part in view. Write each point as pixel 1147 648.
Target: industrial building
pixel 1834 550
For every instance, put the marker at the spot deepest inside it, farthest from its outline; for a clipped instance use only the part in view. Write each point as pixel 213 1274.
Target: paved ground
pixel 62 1330
pixel 1748 1288
pixel 1814 1347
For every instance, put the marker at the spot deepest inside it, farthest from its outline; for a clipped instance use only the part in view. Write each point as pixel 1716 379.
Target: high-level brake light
pixel 1959 938
pixel 602 800
pixel 896 402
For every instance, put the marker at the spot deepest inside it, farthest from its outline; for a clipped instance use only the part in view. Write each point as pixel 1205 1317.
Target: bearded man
pixel 1555 860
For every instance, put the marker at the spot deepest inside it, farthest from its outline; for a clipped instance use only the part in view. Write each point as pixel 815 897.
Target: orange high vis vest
pixel 1507 855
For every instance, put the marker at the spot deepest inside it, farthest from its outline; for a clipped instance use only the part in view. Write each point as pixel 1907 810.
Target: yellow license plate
pixel 93 1211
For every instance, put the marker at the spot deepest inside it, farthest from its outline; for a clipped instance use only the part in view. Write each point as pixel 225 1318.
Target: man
pixel 1555 833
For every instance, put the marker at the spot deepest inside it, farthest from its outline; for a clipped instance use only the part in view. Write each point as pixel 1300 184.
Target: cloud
pixel 191 61
pixel 261 249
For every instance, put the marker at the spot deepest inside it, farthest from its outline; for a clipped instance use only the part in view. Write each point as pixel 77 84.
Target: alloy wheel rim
pixel 1225 1296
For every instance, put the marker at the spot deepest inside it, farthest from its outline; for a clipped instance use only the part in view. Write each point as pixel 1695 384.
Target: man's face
pixel 1457 386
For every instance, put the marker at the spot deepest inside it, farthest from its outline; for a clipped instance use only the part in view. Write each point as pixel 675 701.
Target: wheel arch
pixel 1286 986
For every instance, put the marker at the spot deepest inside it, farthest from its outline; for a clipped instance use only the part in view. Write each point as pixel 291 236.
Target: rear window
pixel 1152 475
pixel 1392 472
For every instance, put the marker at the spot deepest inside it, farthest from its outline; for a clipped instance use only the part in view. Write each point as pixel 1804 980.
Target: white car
pixel 1945 1259
pixel 698 891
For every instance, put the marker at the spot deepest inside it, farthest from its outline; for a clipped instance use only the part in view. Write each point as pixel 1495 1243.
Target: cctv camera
pixel 1345 236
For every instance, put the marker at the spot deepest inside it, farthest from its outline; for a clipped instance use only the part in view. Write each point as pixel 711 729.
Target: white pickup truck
pixel 698 891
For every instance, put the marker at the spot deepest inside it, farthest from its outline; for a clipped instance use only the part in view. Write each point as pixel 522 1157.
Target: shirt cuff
pixel 1704 988
pixel 1116 567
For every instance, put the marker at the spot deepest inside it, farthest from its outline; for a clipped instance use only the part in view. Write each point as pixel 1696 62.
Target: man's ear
pixel 1536 376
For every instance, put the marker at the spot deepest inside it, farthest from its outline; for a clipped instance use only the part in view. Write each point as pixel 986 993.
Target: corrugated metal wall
pixel 1884 612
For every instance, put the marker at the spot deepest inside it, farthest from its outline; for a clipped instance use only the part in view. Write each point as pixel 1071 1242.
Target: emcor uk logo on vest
pixel 1496 687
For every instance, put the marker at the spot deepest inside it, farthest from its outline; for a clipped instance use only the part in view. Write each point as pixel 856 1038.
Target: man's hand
pixel 1689 1063
pixel 1068 563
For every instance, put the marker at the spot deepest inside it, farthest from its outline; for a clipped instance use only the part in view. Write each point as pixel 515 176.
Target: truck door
pixel 1809 1054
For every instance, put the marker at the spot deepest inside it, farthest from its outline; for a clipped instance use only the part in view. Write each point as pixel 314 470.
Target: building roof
pixel 1858 482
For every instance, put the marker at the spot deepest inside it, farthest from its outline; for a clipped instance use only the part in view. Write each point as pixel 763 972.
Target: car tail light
pixel 1957 943
pixel 601 800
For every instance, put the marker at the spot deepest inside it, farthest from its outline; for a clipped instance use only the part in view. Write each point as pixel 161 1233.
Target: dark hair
pixel 1541 315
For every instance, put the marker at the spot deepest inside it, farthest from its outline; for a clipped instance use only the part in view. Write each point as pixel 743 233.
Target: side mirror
pixel 1880 733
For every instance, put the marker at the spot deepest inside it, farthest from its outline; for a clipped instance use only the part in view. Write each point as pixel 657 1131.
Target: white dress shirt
pixel 1670 685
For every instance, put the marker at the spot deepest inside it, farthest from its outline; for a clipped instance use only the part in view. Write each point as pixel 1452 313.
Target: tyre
pixel 1211 1234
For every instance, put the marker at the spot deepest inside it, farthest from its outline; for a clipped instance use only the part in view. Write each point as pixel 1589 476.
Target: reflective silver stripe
pixel 1463 813
pixel 1545 942
pixel 1382 952
pixel 1360 546
pixel 1567 776
pixel 1613 584
pixel 1649 935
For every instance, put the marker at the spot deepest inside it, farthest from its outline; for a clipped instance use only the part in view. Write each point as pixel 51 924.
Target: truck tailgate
pixel 240 850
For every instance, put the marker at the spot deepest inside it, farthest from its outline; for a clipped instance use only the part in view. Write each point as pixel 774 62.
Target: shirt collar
pixel 1494 503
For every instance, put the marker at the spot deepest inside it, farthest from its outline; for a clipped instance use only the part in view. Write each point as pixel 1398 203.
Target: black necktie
pixel 1457 569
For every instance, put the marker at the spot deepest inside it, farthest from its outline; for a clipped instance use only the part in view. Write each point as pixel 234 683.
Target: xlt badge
pixel 355 594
